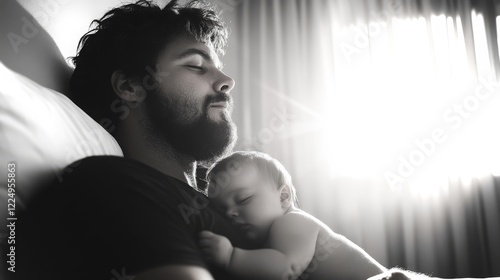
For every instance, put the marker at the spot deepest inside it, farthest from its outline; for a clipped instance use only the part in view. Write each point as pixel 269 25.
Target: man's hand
pixel 399 274
pixel 217 248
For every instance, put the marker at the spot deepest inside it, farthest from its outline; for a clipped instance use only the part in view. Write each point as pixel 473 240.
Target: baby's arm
pixel 292 239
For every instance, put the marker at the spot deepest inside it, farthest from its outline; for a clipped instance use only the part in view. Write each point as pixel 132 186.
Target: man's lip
pixel 222 104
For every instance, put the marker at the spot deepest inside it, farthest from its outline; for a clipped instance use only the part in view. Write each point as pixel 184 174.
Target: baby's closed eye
pixel 244 200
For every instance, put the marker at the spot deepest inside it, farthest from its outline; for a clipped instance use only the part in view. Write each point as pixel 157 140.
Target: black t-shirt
pixel 111 217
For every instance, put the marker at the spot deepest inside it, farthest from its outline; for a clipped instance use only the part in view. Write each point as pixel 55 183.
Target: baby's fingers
pixel 205 242
pixel 206 237
pixel 207 234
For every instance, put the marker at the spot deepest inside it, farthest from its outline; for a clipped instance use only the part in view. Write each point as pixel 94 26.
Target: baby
pixel 256 193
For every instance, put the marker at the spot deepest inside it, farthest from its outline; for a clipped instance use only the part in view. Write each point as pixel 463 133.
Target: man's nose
pixel 224 83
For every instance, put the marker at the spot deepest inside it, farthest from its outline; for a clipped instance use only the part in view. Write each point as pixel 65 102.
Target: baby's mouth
pixel 243 227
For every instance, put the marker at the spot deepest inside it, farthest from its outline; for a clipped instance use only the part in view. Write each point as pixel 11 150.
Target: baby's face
pixel 250 200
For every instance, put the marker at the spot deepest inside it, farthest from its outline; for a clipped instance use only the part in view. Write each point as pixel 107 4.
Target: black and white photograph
pixel 249 139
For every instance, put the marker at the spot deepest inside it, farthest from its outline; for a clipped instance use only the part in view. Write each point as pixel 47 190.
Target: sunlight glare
pixel 386 103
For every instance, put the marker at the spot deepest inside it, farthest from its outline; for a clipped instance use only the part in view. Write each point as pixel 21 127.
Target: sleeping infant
pixel 256 193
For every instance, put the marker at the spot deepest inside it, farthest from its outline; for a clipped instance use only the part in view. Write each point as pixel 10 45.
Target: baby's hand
pixel 217 248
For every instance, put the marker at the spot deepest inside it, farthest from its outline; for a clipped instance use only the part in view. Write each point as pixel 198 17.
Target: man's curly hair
pixel 130 38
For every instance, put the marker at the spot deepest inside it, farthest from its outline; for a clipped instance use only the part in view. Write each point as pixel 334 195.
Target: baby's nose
pixel 232 213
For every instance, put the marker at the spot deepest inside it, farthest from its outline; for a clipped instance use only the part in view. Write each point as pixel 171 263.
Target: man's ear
pixel 285 196
pixel 128 89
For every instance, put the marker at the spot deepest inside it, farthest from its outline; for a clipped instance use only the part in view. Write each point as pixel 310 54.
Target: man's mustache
pixel 219 97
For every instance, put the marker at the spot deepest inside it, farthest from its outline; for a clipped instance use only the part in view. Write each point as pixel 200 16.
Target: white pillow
pixel 42 131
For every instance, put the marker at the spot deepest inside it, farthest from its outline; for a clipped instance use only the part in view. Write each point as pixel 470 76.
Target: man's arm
pixel 401 274
pixel 179 272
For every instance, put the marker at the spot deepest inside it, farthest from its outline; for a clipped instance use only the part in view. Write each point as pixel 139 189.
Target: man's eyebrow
pixel 205 55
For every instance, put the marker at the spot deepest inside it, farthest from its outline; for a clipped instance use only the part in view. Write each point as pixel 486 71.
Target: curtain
pixel 386 115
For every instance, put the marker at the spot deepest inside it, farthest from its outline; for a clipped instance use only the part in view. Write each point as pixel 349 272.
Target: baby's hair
pixel 266 165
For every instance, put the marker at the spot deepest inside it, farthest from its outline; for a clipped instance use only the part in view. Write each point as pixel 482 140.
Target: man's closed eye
pixel 195 67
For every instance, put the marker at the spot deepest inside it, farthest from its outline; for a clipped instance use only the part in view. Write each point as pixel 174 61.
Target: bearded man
pixel 153 78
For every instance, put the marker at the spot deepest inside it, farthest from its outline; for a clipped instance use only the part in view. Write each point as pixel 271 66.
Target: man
pixel 153 78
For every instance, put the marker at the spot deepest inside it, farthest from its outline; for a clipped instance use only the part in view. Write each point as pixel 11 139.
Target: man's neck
pixel 157 154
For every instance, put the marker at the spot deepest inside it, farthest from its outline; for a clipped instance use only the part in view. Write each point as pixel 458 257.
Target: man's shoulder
pixel 127 186
pixel 106 163
pixel 114 178
pixel 111 169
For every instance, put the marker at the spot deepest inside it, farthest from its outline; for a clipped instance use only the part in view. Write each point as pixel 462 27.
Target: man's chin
pixel 216 139
pixel 218 116
pixel 205 140
pixel 217 153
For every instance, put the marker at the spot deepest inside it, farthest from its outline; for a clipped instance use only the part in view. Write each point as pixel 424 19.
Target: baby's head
pixel 252 189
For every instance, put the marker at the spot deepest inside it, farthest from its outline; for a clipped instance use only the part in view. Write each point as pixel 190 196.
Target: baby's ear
pixel 285 196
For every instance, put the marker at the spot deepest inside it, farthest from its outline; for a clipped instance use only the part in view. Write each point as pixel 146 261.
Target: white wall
pixel 67 20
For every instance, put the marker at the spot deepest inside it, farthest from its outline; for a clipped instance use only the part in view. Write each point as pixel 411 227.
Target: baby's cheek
pixel 252 213
pixel 252 235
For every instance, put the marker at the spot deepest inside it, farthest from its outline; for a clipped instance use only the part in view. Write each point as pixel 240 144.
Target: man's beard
pixel 189 131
